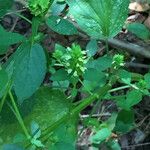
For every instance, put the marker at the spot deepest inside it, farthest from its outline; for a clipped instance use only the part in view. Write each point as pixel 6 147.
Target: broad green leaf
pixel 61 26
pixel 60 75
pixel 60 84
pixel 111 122
pixel 100 136
pixel 30 69
pixel 46 107
pixel 12 147
pixel 93 79
pixel 92 48
pixel 147 80
pixel 57 8
pixel 100 64
pixel 140 30
pixel 94 75
pixel 8 38
pixel 3 81
pixel 4 6
pixel 113 145
pixel 132 98
pixel 125 121
pixel 100 18
pixel 125 76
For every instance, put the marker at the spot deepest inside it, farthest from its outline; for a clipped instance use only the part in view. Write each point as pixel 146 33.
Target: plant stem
pixel 120 88
pixel 86 102
pixel 75 111
pixel 18 116
pixel 23 17
pixel 5 95
pixel 107 46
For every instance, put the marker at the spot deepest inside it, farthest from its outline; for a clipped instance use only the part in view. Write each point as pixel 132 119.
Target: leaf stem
pixel 23 17
pixel 18 116
pixel 119 88
pixel 5 95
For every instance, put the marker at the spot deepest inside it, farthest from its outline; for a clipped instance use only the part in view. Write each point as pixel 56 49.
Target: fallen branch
pixel 129 47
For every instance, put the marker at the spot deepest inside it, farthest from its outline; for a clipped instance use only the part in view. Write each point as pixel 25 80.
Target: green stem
pixel 120 88
pixel 107 46
pixel 23 17
pixel 20 120
pixel 5 95
pixel 74 112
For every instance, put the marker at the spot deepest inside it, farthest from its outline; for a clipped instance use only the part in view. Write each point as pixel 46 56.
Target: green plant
pixel 47 116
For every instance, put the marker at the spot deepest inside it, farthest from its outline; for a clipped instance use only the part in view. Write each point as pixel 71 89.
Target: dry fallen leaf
pixel 147 22
pixel 139 7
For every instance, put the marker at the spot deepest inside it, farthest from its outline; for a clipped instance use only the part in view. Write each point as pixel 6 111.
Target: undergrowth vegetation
pixel 39 115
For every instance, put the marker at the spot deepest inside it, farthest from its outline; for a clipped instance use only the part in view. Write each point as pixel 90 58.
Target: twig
pixel 129 47
pixel 96 115
pixel 136 145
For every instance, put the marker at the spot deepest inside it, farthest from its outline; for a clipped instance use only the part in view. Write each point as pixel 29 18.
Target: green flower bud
pixel 38 7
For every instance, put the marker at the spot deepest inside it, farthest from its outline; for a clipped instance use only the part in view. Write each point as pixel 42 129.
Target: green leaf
pixel 66 136
pixel 60 75
pixel 132 98
pixel 147 80
pixel 46 107
pixel 3 81
pixel 8 38
pixel 61 26
pixel 100 136
pixel 111 122
pixel 30 69
pixel 100 18
pixel 140 30
pixel 34 128
pixel 101 63
pixel 92 81
pixel 113 145
pixel 12 147
pixel 125 76
pixel 4 6
pixel 57 8
pixel 125 121
pixel 92 48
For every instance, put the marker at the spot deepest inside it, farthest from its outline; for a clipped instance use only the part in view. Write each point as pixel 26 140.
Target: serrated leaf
pixel 99 18
pixel 8 38
pixel 140 30
pixel 125 121
pixel 30 69
pixel 4 6
pixel 61 26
